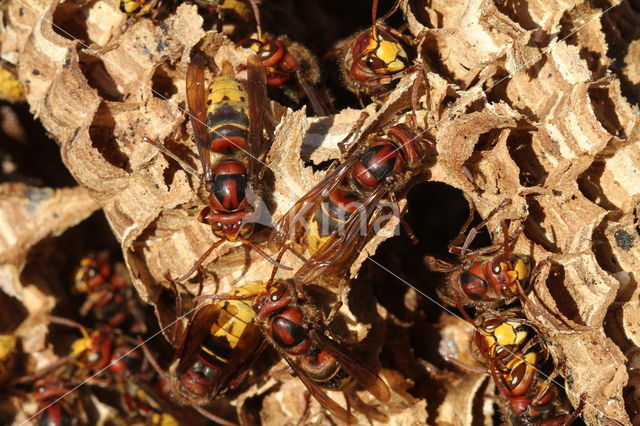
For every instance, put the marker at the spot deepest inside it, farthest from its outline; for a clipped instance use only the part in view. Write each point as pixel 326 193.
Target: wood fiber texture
pixel 528 101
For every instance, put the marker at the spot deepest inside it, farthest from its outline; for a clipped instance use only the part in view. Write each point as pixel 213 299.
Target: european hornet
pixel 134 10
pixel 373 59
pixel 99 351
pixel 334 219
pixel 115 361
pixel 516 354
pixel 110 297
pixel 53 408
pixel 11 90
pixel 490 276
pixel 228 129
pixel 215 352
pixel 290 67
pixel 7 355
pixel 218 347
pixel 294 327
pixel 138 404
pixel 104 351
pixel 237 11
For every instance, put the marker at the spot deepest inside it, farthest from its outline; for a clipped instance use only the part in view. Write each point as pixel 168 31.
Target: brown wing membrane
pixel 196 101
pixel 319 103
pixel 286 228
pixel 258 101
pixel 318 393
pixel 197 330
pixel 370 381
pixel 244 354
pixel 341 247
pixel 439 265
pixel 305 206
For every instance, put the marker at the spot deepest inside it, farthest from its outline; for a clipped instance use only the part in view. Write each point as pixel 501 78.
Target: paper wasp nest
pixel 531 101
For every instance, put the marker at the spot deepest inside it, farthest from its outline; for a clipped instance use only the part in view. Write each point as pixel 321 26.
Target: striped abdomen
pixel 330 217
pixel 220 346
pixel 322 368
pixel 227 115
pixel 226 332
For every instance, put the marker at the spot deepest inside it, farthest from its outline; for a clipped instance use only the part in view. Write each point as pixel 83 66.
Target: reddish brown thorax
pixel 275 57
pixel 288 330
pixel 228 189
pixel 271 301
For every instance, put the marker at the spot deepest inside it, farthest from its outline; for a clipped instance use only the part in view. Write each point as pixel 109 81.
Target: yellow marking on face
pixel 521 335
pixel 80 284
pixel 255 46
pixel 392 54
pixel 529 359
pixel 522 268
pixel 78 276
pixel 387 51
pixel 81 345
pixel 505 334
pixel 508 333
pixel 86 262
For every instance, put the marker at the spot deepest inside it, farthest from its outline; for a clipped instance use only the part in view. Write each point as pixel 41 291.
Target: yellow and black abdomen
pixel 324 370
pixel 330 217
pixel 227 115
pixel 226 332
pixel 225 353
